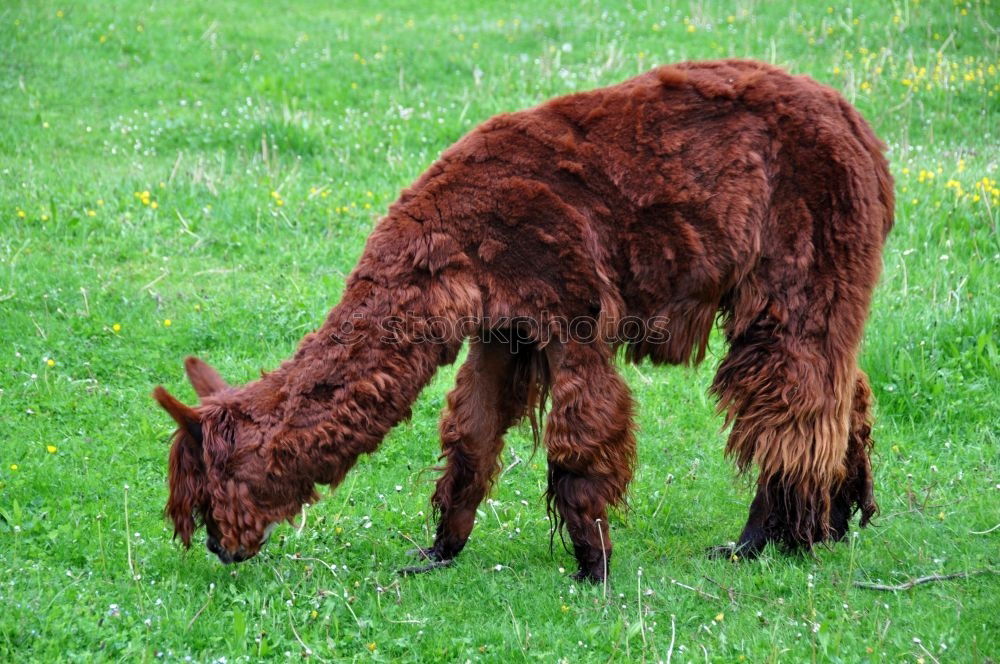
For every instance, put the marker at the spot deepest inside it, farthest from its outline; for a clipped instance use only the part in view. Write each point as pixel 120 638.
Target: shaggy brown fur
pixel 648 208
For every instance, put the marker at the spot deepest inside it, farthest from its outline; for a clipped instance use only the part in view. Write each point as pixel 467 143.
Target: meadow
pixel 197 177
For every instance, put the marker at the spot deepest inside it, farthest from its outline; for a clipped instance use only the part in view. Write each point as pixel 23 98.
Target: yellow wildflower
pixel 372 646
pixel 51 449
pixel 116 328
pixel 13 466
pixel 50 362
pixel 720 617
pixel 167 323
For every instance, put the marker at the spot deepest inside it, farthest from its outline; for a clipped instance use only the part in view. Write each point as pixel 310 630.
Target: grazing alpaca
pixel 645 209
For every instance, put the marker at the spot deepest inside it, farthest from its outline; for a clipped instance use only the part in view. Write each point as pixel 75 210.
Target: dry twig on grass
pixel 923 579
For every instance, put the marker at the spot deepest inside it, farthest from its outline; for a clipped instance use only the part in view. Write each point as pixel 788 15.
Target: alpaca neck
pixel 355 378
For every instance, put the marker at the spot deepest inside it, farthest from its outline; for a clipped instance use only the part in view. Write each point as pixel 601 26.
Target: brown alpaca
pixel 645 209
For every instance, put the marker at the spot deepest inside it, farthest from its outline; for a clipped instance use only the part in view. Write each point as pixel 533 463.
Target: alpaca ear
pixel 185 416
pixel 205 380
pixel 187 485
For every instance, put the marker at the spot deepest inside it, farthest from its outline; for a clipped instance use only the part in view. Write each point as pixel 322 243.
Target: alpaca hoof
pixel 595 576
pixel 420 569
pixel 723 552
pixel 734 552
pixel 420 552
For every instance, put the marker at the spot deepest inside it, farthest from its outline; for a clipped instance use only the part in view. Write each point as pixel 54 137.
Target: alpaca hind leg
pixel 591 451
pixel 490 394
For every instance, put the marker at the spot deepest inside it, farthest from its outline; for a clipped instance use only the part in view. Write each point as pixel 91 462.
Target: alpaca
pixel 724 189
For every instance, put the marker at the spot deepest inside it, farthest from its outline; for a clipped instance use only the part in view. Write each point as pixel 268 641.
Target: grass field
pixel 200 177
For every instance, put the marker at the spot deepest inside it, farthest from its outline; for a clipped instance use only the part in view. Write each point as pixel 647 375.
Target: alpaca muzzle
pixel 227 557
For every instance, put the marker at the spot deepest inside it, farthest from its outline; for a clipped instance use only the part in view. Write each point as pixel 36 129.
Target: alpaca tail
pixel 533 371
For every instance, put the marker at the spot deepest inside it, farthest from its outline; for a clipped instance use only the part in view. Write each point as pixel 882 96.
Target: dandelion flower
pixel 372 646
pixel 154 205
pixel 50 362
pixel 116 328
pixel 167 323
pixel 720 617
pixel 51 449
pixel 13 467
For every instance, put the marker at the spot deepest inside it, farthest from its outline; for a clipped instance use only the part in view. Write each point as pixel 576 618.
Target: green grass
pixel 211 107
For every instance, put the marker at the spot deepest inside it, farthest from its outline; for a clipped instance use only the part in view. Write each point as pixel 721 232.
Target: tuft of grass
pixel 219 167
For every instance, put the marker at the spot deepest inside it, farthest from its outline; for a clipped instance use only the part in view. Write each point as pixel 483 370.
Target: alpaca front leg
pixel 752 539
pixel 591 451
pixel 489 396
pixel 857 491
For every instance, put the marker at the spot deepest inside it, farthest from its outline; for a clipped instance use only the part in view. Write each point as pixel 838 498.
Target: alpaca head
pixel 218 476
